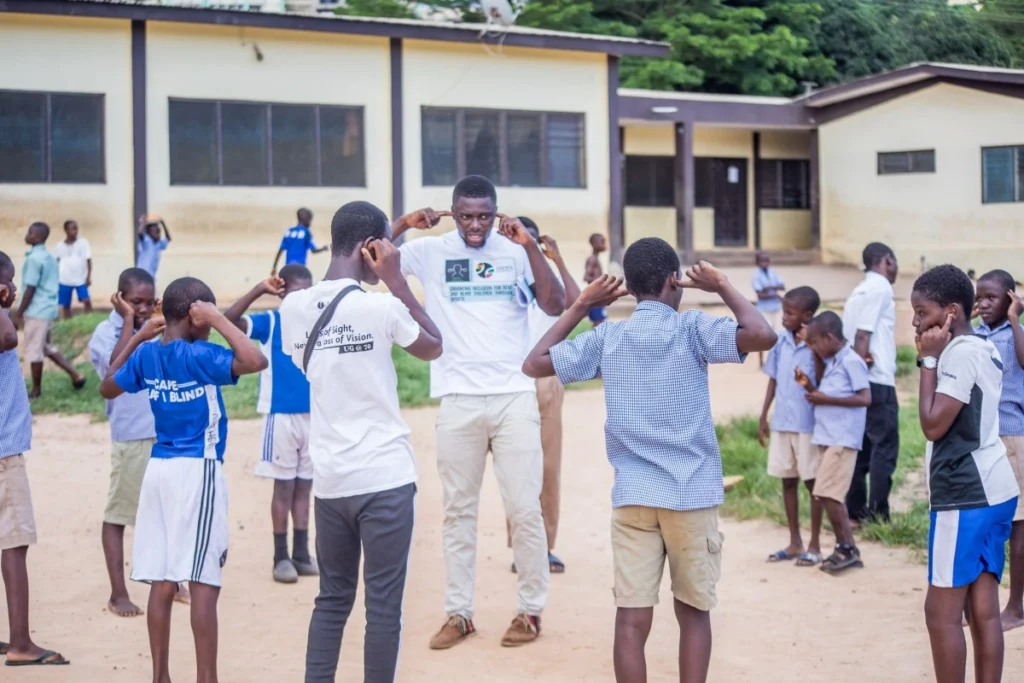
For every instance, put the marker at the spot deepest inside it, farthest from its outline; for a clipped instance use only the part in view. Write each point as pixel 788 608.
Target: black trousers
pixel 876 461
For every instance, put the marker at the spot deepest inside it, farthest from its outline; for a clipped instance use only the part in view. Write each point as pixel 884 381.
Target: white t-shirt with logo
pixel 358 441
pixel 479 299
pixel 73 258
pixel 871 307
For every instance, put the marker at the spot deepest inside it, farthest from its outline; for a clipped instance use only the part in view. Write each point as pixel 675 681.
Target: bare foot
pixel 1012 618
pixel 183 596
pixel 124 607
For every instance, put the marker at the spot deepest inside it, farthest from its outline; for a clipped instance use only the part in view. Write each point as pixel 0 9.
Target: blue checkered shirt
pixel 15 416
pixel 659 434
pixel 845 374
pixel 1011 402
pixel 792 411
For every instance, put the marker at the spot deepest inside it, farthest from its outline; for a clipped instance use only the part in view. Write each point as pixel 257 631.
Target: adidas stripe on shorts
pixel 181 529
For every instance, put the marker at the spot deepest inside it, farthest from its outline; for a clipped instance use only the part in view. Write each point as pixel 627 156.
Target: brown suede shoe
pixel 524 629
pixel 454 631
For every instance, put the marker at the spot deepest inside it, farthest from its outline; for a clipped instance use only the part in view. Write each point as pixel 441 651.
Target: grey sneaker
pixel 307 568
pixel 284 572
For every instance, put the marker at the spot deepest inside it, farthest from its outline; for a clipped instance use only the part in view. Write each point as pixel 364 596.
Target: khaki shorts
pixel 128 460
pixel 17 522
pixel 1015 454
pixel 37 339
pixel 835 474
pixel 792 455
pixel 643 537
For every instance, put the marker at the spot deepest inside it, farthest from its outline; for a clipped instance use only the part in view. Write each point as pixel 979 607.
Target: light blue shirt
pixel 792 411
pixel 42 272
pixel 1011 401
pixel 131 418
pixel 150 251
pixel 15 416
pixel 767 279
pixel 845 374
pixel 659 434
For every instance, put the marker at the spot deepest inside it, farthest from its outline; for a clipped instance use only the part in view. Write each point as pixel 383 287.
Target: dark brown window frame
pixel 503 156
pixel 1017 162
pixel 270 140
pixel 910 161
pixel 48 138
pixel 779 190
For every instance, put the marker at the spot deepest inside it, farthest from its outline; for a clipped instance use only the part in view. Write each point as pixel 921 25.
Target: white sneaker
pixel 285 572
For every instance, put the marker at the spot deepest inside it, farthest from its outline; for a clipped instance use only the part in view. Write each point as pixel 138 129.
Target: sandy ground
pixel 774 623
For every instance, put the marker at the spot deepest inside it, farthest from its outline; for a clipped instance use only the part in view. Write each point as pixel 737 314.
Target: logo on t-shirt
pixel 456 270
pixel 484 269
pixel 345 338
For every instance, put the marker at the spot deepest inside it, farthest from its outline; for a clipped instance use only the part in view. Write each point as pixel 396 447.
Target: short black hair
pixel 69 222
pixel 181 294
pixel 648 263
pixel 354 223
pixel 529 224
pixel 874 253
pixel 1001 278
pixel 6 262
pixel 828 323
pixel 134 276
pixel 945 285
pixel 474 187
pixel 42 227
pixel 295 272
pixel 303 211
pixel 805 297
pixel 596 236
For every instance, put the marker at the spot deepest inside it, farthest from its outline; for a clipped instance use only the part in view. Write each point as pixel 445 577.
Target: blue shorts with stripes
pixel 964 544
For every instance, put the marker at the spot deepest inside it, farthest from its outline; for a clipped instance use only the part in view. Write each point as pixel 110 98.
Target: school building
pixel 224 122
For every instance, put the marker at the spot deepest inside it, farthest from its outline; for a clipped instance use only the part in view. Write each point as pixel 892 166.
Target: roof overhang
pixel 713 110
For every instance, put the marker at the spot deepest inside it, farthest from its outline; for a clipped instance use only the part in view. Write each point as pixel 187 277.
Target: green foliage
pixel 1006 17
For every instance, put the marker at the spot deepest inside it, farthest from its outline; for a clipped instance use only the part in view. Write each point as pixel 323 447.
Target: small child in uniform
pixel 840 412
pixel 284 400
pixel 182 526
pixel 1000 310
pixel 972 489
pixel 767 285
pixel 660 438
pixel 598 245
pixel 791 455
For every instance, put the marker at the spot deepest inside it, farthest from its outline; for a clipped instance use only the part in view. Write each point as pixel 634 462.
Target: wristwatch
pixel 928 362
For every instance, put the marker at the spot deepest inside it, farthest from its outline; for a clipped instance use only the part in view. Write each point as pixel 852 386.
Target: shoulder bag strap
pixel 324 318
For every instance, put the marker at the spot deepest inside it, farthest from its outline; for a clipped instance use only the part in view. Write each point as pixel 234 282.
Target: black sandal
pixel 843 558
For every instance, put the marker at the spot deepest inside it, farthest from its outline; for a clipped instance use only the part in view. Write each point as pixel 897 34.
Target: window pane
pixel 482 139
pixel 22 137
pixel 893 162
pixel 794 184
pixel 76 138
pixel 193 140
pixel 293 145
pixel 997 174
pixel 1020 174
pixel 664 181
pixel 524 150
pixel 243 135
pixel 342 158
pixel 565 144
pixel 703 192
pixel 638 181
pixel 440 165
pixel 768 183
pixel 923 161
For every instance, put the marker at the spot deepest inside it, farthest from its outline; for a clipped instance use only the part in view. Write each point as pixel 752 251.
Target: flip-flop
pixel 48 658
pixel 555 565
pixel 808 560
pixel 781 556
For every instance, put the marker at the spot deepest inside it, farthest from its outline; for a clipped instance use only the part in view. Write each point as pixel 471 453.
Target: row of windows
pixel 51 138
pixel 1002 170
pixel 781 183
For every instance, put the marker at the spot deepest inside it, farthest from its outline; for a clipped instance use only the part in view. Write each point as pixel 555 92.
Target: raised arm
pixel 277 259
pixel 167 233
pixel 754 333
pixel 938 410
pixel 249 359
pixel 421 219
pixel 547 289
pixel 8 332
pixel 572 290
pixel 272 285
pixel 110 389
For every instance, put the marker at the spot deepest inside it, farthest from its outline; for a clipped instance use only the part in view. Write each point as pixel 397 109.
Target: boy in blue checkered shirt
pixel 660 438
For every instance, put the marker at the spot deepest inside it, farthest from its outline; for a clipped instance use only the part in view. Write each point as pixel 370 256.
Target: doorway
pixel 729 200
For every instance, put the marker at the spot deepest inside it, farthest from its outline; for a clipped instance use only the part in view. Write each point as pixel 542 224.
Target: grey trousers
pixel 380 524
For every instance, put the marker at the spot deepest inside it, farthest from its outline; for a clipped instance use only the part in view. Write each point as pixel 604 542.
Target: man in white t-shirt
pixel 74 257
pixel 364 470
pixel 869 322
pixel 478 287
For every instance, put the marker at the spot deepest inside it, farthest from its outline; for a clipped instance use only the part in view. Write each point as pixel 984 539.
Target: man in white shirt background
pixel 75 259
pixel 869 322
pixel 478 287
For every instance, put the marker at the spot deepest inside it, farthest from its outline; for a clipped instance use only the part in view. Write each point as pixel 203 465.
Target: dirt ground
pixel 774 623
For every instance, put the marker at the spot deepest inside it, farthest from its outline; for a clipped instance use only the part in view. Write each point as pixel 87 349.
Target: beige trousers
pixel 507 425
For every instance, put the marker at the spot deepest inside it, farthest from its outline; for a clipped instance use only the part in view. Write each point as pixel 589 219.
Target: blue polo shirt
pixel 1011 401
pixel 792 411
pixel 845 374
pixel 183 380
pixel 42 272
pixel 283 387
pixel 296 244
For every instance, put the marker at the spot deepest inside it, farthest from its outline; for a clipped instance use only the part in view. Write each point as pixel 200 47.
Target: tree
pixel 860 39
pixel 1006 17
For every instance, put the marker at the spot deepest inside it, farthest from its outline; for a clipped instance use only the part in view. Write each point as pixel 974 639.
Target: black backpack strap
pixel 325 317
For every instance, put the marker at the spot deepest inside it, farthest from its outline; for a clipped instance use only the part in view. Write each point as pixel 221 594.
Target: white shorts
pixel 286 447
pixel 181 529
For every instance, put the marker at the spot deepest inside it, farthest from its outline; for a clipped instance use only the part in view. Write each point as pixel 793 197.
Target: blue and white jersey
pixel 183 381
pixel 296 244
pixel 283 387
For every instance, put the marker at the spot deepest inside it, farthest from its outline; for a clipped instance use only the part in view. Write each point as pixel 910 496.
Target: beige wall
pixel 242 226
pixel 456 75
pixel 85 56
pixel 785 144
pixel 938 215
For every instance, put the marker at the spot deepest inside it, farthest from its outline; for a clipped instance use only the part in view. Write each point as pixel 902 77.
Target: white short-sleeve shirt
pixel 358 441
pixel 73 258
pixel 871 307
pixel 479 299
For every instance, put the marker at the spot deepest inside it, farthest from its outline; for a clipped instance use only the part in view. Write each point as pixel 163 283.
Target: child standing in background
pixel 791 455
pixel 593 271
pixel 767 286
pixel 74 256
pixel 154 238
